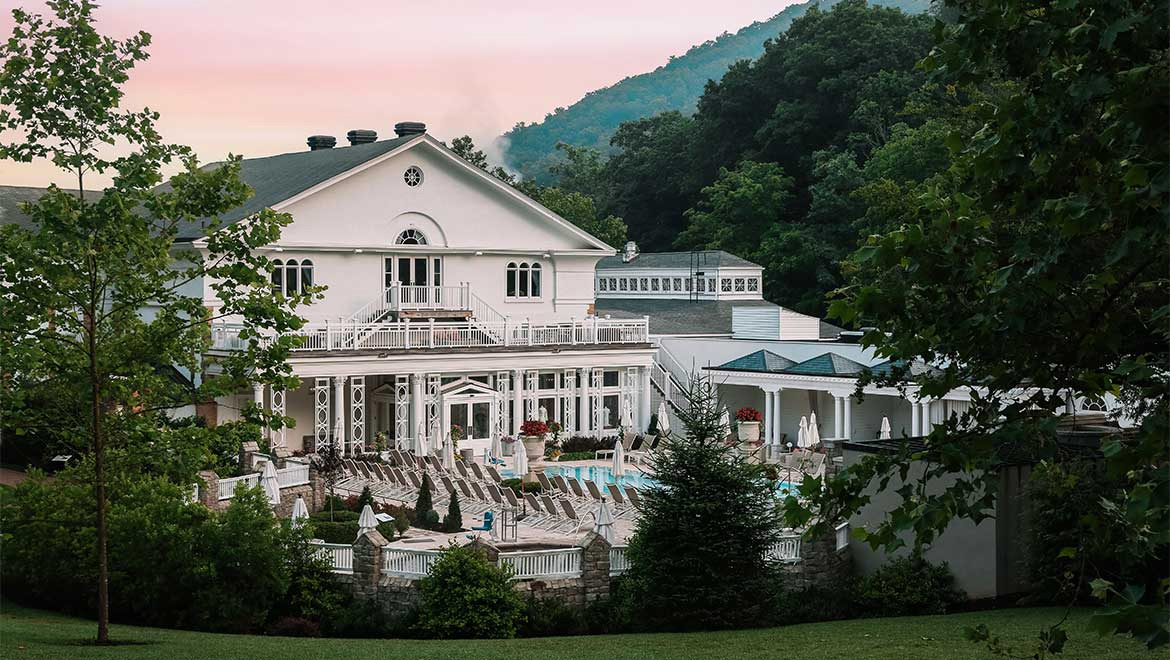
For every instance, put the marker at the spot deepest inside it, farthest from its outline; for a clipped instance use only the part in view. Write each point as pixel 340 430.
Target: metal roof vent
pixel 404 128
pixel 361 136
pixel 630 253
pixel 319 142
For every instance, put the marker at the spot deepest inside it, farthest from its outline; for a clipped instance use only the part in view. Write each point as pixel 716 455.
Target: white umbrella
pixel 802 433
pixel 604 526
pixel 628 420
pixel 814 434
pixel 367 522
pixel 270 482
pixel 542 414
pixel 420 441
pixel 497 449
pixel 449 454
pixel 884 434
pixel 663 419
pixel 300 512
pixel 519 461
pixel 725 421
pixel 619 459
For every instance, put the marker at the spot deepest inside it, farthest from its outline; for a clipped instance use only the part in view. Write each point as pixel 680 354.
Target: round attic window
pixel 413 176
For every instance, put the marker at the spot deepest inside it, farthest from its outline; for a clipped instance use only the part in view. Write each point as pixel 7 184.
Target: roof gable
pixel 827 364
pixel 762 360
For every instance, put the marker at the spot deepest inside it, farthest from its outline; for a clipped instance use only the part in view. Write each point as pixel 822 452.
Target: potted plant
pixel 748 424
pixel 532 434
pixel 457 435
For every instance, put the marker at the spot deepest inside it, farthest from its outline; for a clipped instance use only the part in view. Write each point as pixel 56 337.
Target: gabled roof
pixel 11 197
pixel 702 259
pixel 827 364
pixel 915 368
pixel 762 360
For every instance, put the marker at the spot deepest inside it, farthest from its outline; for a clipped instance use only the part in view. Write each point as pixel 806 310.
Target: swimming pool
pixel 602 474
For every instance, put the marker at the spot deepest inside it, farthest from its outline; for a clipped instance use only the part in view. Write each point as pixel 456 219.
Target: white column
pixel 847 415
pixel 357 413
pixel 339 413
pixel 517 401
pixel 915 429
pixel 583 401
pixel 258 395
pixel 401 411
pixel 924 406
pixel 838 416
pixel 278 396
pixel 321 412
pixel 644 400
pixel 777 422
pixel 768 430
pixel 416 405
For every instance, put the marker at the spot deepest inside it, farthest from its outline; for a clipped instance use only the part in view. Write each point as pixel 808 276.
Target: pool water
pixel 602 474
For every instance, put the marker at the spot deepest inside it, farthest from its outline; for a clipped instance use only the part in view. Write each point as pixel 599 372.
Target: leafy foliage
pixel 453 521
pixel 908 586
pixel 465 595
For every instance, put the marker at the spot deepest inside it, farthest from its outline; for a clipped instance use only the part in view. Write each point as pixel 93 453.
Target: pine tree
pixel 365 498
pixel 454 520
pixel 424 508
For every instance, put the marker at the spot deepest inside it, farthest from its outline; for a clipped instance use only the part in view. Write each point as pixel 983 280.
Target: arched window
pixel 411 237
pixel 291 277
pixel 523 280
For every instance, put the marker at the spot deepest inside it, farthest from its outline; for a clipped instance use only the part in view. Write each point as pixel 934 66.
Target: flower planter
pixel 467 454
pixel 533 446
pixel 749 431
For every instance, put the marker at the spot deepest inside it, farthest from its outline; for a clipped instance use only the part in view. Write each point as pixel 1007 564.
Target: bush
pixel 828 603
pixel 294 626
pixel 365 498
pixel 336 516
pixel 551 618
pixel 908 586
pixel 453 522
pixel 425 515
pixel 581 444
pixel 577 456
pixel 465 595
pixel 346 532
pixel 360 619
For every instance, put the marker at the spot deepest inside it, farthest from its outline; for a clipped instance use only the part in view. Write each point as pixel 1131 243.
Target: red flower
pixel 748 415
pixel 533 427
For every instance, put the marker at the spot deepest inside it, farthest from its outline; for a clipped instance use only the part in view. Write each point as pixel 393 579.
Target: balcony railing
pixel 403 335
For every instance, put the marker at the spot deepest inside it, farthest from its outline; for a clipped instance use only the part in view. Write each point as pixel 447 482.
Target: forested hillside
pixel 530 149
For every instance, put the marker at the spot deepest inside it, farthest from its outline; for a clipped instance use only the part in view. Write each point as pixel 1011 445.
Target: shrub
pixel 813 604
pixel 551 617
pixel 465 595
pixel 294 626
pixel 365 498
pixel 577 456
pixel 520 487
pixel 579 444
pixel 424 506
pixel 748 415
pixel 533 427
pixel 359 619
pixel 346 532
pixel 336 516
pixel 908 586
pixel 453 522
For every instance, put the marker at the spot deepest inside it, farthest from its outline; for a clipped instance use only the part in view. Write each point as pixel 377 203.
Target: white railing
pixel 558 563
pixel 404 335
pixel 295 474
pixel 227 487
pixel 410 297
pixel 408 562
pixel 786 550
pixel 339 555
pixel 842 536
pixel 618 561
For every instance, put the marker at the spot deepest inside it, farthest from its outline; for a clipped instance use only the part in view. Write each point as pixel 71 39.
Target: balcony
pixel 405 335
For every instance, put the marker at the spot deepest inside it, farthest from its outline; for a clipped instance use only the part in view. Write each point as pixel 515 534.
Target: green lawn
pixel 28 633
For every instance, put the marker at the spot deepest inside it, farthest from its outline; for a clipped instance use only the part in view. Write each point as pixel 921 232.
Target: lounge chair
pixel 495 476
pixel 462 470
pixel 593 491
pixel 562 485
pixel 545 484
pixel 633 497
pixel 475 470
pixel 570 516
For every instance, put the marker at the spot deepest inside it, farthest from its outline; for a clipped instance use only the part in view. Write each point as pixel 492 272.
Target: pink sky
pixel 257 77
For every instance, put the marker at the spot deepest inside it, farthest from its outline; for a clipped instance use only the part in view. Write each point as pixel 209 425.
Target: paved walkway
pixel 10 477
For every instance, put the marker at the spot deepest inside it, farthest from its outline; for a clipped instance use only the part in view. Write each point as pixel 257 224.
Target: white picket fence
pixel 786 550
pixel 295 474
pixel 842 536
pixel 558 563
pixel 618 561
pixel 227 487
pixel 407 562
pixel 339 555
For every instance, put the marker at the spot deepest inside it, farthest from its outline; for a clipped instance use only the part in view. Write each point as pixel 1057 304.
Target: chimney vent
pixel 318 142
pixel 404 128
pixel 361 136
pixel 630 253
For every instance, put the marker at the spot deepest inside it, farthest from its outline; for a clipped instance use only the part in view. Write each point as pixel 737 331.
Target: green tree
pixel 738 209
pixel 453 521
pixel 73 283
pixel 424 507
pixel 698 555
pixel 1034 274
pixel 580 210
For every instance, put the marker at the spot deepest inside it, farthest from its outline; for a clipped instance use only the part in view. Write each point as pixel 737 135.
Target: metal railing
pixel 786 550
pixel 227 487
pixel 295 474
pixel 842 536
pixel 558 563
pixel 339 555
pixel 407 335
pixel 618 561
pixel 411 297
pixel 407 562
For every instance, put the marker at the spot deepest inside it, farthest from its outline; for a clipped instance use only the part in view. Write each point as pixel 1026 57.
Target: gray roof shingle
pixel 674 260
pixel 677 317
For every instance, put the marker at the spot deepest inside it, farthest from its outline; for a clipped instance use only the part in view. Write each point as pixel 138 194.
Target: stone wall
pixel 312 492
pixel 821 564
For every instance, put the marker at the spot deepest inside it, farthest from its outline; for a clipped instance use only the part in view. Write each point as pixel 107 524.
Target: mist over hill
pixel 530 148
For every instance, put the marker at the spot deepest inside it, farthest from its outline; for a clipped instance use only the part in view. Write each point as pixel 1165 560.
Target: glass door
pixel 419 279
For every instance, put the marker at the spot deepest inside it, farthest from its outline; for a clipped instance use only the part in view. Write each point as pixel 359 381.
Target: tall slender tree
pixel 102 294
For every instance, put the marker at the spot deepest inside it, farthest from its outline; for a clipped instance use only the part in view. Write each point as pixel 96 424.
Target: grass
pixel 26 633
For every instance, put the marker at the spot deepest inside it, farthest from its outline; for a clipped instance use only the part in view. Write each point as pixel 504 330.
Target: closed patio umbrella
pixel 619 459
pixel 884 434
pixel 663 419
pixel 814 434
pixel 300 512
pixel 725 421
pixel 519 461
pixel 420 441
pixel 604 526
pixel 449 453
pixel 367 522
pixel 270 483
pixel 802 433
pixel 497 449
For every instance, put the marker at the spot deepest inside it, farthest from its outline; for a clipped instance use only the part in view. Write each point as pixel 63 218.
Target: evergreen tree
pixel 698 553
pixel 365 498
pixel 454 520
pixel 424 508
